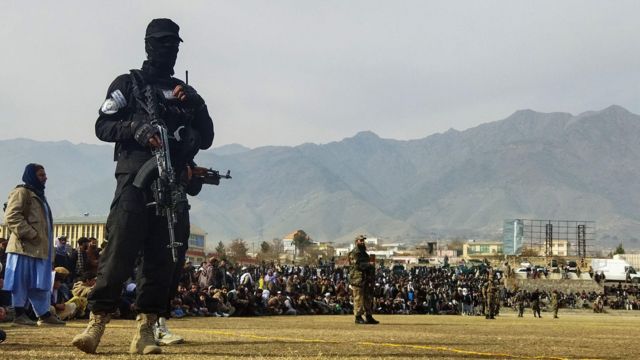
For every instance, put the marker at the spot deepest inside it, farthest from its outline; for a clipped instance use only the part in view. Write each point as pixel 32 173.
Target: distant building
pixel 393 247
pixel 381 254
pixel 371 241
pixel 197 242
pixel 632 259
pixel 482 249
pixel 288 246
pixel 558 248
pixel 75 227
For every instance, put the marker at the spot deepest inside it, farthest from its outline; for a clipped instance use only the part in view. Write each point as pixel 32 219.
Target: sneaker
pixel 51 321
pixel 23 320
pixel 224 314
pixel 162 334
pixel 68 312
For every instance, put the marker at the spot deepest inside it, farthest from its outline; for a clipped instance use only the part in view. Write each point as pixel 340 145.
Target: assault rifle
pixel 210 176
pixel 168 196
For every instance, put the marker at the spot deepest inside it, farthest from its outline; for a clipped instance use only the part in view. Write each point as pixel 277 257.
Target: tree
pixel 238 249
pixel 529 252
pixel 221 250
pixel 619 250
pixel 456 244
pixel 301 240
pixel 265 247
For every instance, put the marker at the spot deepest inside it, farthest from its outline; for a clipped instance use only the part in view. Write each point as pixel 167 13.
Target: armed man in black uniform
pixel 136 234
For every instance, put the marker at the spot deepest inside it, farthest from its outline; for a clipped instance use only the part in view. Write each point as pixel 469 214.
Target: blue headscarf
pixel 31 179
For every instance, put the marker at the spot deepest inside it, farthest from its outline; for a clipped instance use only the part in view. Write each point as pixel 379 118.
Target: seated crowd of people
pixel 74 275
pixel 218 288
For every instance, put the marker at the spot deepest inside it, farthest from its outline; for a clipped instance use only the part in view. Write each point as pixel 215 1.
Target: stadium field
pixel 576 335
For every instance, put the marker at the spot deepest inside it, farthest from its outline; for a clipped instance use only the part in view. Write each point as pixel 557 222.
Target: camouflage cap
pixel 361 237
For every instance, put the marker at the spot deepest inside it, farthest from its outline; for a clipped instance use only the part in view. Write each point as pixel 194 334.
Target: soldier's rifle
pixel 167 194
pixel 158 172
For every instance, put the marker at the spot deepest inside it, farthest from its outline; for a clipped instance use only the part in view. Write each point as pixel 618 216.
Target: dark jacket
pixel 119 126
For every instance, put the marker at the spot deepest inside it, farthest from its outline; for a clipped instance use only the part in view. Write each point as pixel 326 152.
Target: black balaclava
pixel 161 55
pixel 161 44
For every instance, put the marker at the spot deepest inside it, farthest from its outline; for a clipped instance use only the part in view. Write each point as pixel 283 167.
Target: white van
pixel 615 270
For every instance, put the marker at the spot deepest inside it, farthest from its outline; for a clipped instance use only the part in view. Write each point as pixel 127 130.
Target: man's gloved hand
pixel 189 95
pixel 145 134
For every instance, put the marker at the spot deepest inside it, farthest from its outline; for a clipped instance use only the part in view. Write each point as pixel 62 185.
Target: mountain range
pixel 530 165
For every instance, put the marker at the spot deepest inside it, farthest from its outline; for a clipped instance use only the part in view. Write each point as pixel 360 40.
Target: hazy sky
pixel 288 72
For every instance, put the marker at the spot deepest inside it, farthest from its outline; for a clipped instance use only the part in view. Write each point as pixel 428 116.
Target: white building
pixel 632 259
pixel 371 241
pixel 288 246
pixel 343 251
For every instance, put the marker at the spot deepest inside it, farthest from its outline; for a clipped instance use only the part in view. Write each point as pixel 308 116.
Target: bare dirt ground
pixel 576 335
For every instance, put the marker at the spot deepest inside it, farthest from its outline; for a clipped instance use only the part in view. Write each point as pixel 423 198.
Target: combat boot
pixel 371 320
pixel 143 341
pixel 89 339
pixel 360 320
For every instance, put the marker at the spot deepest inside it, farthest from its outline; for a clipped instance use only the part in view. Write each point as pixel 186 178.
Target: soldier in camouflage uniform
pixel 361 281
pixel 520 303
pixel 535 303
pixel 490 298
pixel 554 303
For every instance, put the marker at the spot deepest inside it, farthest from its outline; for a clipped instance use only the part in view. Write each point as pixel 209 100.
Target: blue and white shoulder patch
pixel 119 98
pixel 114 103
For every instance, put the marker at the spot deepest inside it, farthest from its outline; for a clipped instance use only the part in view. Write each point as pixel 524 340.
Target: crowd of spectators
pixel 218 288
pixel 74 273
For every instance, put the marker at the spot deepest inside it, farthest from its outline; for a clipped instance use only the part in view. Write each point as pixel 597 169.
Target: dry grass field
pixel 576 335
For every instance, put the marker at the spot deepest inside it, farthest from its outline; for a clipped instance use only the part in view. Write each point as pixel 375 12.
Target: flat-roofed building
pixel 197 243
pixel 481 249
pixel 75 227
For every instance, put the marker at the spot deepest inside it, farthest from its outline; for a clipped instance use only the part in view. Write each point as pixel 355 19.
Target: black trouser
pixel 134 230
pixel 178 267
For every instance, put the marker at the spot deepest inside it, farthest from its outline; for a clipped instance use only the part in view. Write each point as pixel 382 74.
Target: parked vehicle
pixel 572 266
pixel 615 270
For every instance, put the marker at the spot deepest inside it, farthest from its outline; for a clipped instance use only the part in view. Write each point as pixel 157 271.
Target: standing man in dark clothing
pixel 79 258
pixel 535 303
pixel 361 280
pixel 62 257
pixel 520 297
pixel 554 303
pixel 133 229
